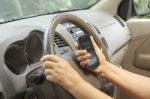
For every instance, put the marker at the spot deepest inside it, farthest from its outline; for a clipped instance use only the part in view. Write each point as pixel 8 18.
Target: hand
pixel 83 57
pixel 59 71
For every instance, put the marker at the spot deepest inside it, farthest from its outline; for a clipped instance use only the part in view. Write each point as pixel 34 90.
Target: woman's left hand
pixel 59 71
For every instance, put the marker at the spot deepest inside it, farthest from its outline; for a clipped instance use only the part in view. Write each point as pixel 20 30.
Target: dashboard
pixel 21 43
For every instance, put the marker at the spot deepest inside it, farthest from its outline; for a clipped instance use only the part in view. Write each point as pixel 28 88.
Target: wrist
pixel 104 69
pixel 77 87
pixel 72 86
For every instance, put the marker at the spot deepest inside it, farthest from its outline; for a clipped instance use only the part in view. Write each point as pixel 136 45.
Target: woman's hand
pixel 83 57
pixel 59 71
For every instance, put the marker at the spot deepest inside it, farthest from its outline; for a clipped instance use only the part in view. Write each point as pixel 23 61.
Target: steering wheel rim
pixel 49 34
pixel 67 17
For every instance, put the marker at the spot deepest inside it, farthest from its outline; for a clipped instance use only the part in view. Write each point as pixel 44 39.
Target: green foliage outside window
pixel 141 7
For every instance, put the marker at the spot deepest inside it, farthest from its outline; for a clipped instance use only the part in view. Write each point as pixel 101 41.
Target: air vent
pixel 60 42
pixel 120 21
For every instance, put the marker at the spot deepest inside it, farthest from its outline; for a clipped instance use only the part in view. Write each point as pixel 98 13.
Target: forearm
pixel 135 85
pixel 86 91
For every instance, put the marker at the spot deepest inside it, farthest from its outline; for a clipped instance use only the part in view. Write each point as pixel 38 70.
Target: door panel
pixel 142 55
pixel 130 61
pixel 137 59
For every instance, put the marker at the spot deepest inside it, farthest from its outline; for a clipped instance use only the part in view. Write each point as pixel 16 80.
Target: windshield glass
pixel 14 9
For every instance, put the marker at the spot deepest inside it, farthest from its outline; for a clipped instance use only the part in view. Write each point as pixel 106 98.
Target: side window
pixel 142 8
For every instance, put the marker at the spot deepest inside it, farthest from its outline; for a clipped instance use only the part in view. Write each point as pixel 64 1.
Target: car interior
pixel 124 39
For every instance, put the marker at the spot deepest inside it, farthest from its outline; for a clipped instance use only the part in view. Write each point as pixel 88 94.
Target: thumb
pixel 76 45
pixel 96 48
pixel 98 52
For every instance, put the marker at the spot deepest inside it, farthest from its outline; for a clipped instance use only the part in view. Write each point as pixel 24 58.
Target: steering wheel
pixel 49 46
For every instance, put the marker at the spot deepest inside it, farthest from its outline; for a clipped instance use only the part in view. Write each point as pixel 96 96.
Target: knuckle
pixel 45 71
pixel 85 56
pixel 49 78
pixel 59 71
pixel 57 65
pixel 46 62
pixel 78 58
pixel 82 64
pixel 76 53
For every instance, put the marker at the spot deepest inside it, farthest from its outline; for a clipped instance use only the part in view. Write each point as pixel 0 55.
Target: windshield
pixel 14 9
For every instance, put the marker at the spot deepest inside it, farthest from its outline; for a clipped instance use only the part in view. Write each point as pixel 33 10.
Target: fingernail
pixel 85 51
pixel 91 37
pixel 89 54
pixel 78 58
pixel 41 59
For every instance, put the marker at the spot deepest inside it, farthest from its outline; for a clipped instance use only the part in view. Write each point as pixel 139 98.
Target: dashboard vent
pixel 120 21
pixel 60 42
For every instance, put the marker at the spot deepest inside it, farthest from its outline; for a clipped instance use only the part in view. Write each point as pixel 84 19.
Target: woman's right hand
pixel 83 57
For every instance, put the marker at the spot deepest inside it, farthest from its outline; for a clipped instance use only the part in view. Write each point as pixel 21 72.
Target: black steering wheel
pixel 49 47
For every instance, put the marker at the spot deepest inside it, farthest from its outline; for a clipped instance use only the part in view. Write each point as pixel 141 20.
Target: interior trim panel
pixel 142 55
pixel 138 27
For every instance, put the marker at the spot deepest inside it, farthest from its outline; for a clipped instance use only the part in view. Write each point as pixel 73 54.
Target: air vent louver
pixel 60 42
pixel 119 20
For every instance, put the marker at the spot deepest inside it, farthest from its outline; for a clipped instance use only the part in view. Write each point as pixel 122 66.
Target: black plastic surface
pixel 1 95
pixel 15 58
pixel 34 47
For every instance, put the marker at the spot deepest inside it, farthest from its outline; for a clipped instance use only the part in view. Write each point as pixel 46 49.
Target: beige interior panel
pixel 128 63
pixel 142 55
pixel 119 55
pixel 107 5
pixel 139 27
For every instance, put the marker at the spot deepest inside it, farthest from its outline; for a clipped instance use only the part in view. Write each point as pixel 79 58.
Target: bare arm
pixel 59 71
pixel 86 91
pixel 135 85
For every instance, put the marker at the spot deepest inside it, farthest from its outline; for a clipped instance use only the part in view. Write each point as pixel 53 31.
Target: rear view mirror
pixel 142 6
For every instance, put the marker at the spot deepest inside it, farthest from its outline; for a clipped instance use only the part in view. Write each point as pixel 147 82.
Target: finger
pixel 48 72
pixel 76 45
pixel 84 63
pixel 53 58
pixel 80 52
pixel 97 50
pixel 84 57
pixel 48 64
pixel 49 78
pixel 94 44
